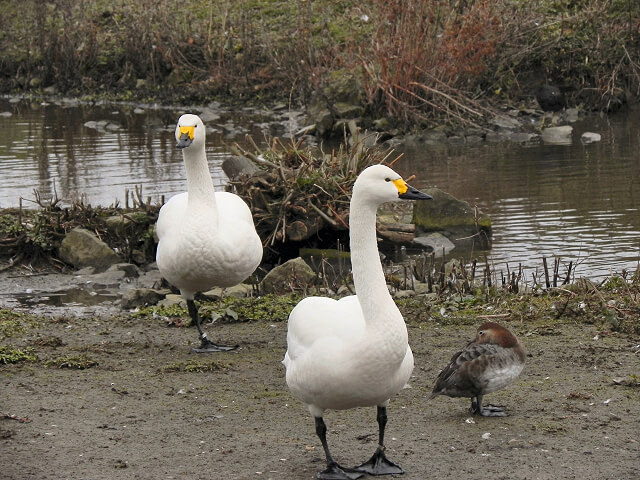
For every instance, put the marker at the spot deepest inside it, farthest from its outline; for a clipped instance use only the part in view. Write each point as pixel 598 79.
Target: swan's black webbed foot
pixel 336 472
pixel 207 346
pixel 378 464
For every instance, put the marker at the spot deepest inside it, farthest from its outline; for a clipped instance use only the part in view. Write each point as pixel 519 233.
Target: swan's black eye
pixel 387 179
pixel 481 332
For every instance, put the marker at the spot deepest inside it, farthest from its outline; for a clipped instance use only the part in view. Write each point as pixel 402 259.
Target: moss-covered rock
pixel 456 219
pixel 82 248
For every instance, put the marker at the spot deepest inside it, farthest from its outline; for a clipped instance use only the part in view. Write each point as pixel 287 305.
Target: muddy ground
pixel 151 409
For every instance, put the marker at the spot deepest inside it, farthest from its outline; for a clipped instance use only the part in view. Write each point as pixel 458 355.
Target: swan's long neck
pixel 368 277
pixel 199 182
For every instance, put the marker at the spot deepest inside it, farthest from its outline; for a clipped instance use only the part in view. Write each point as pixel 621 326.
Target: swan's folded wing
pixel 232 208
pixel 316 318
pixel 171 213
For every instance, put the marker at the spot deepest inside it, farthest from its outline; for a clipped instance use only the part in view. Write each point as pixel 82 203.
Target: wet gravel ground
pixel 148 408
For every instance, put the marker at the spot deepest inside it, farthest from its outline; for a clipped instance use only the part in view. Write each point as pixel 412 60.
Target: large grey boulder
pixel 82 248
pixel 293 275
pixel 454 218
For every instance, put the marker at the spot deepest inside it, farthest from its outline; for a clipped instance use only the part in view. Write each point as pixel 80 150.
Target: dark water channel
pixel 580 202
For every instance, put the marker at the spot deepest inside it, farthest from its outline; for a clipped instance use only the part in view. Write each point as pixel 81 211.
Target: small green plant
pixel 76 362
pixel 10 354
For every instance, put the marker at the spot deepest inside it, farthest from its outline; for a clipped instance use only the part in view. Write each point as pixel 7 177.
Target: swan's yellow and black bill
pixel 407 192
pixel 186 136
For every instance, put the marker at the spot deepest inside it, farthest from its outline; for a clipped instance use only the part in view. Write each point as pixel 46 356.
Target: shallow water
pixel 578 201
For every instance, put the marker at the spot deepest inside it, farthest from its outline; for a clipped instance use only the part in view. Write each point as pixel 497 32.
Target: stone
pixel 130 270
pixel 171 300
pixel 141 297
pixel 590 137
pixel 436 241
pixel 82 248
pixel 108 279
pixel 237 166
pixel 506 122
pixel 523 137
pixel 454 218
pixel 117 224
pixel 292 275
pixel 557 135
pixel 241 290
pixel 347 110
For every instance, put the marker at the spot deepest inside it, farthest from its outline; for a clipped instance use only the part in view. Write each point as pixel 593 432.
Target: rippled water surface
pixel 580 202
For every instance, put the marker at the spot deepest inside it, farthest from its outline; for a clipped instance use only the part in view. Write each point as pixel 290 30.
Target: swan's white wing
pixel 232 208
pixel 171 214
pixel 320 318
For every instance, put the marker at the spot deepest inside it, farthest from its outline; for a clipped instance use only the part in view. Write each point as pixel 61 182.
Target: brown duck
pixel 490 362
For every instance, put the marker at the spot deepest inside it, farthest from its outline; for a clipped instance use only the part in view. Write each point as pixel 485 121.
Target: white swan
pixel 354 352
pixel 205 238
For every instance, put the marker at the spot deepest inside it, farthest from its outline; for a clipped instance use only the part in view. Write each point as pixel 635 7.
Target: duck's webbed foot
pixel 487 410
pixel 337 472
pixel 207 346
pixel 379 464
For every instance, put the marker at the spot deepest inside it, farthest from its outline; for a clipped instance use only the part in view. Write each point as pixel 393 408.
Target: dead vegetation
pixel 413 61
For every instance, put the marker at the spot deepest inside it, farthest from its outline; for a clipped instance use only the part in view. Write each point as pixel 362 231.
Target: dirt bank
pixel 148 408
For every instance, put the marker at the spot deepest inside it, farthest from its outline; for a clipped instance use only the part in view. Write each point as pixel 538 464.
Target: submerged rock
pixel 82 248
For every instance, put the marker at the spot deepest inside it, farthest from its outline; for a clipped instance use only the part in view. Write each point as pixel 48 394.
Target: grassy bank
pixel 413 61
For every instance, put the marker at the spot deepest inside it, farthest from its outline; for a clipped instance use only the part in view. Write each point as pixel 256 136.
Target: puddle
pixel 65 298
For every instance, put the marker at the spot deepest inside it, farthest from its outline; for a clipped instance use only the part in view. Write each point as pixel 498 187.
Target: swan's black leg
pixel 206 345
pixel 333 471
pixel 378 464
pixel 487 410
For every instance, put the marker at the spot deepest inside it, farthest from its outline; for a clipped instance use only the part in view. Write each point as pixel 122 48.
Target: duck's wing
pixel 460 377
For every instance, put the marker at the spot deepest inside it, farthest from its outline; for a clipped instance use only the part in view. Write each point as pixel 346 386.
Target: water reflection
pixel 578 201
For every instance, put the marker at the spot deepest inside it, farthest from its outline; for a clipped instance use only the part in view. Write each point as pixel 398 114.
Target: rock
pixel 455 140
pixel 292 275
pixel 117 224
pixel 241 290
pixel 171 300
pixel 523 137
pixel 455 218
pixel 82 248
pixel 506 122
pixel 141 297
pixel 440 244
pixel 495 137
pixel 347 110
pixel 130 270
pixel 321 118
pixel 572 115
pixel 208 115
pixel 395 212
pixel 590 137
pixel 404 294
pixel 237 166
pixel 557 135
pixel 108 279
